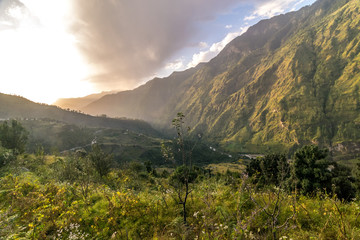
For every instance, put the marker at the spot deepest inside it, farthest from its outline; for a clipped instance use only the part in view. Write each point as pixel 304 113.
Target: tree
pixel 343 183
pixel 71 136
pixel 178 125
pixel 78 170
pixel 184 175
pixel 313 171
pixel 101 161
pixel 13 136
pixel 270 169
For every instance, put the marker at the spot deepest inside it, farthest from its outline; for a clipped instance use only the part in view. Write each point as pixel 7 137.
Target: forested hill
pixel 19 107
pixel 289 80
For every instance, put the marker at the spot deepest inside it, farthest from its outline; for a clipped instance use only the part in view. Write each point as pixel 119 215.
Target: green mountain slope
pixel 56 130
pixel 149 102
pixel 287 81
pixel 18 107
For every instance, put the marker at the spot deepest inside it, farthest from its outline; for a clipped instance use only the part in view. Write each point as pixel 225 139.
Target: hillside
pixel 80 102
pixel 58 137
pixel 57 130
pixel 125 145
pixel 287 81
pixel 18 107
pixel 149 102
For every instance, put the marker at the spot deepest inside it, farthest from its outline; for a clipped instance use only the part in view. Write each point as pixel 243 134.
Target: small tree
pixel 270 169
pixel 178 125
pixel 185 174
pixel 101 161
pixel 79 171
pixel 13 136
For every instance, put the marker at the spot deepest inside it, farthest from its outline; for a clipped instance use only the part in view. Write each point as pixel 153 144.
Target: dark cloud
pixel 127 40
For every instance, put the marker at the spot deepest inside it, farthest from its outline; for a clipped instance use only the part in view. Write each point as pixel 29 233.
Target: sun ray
pixel 39 58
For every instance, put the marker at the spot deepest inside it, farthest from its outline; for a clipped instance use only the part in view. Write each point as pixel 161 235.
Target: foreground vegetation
pixel 40 200
pixel 82 195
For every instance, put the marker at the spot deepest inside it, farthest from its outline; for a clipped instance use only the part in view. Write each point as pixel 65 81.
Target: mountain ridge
pixel 287 81
pixel 79 102
pixel 18 107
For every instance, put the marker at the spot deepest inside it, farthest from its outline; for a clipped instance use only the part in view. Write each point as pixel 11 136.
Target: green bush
pixel 270 169
pixel 13 136
pixel 313 171
pixel 6 156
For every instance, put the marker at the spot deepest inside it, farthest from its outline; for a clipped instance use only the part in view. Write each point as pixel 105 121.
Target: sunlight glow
pixel 39 59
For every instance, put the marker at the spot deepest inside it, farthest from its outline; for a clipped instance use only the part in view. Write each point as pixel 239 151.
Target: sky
pixel 52 49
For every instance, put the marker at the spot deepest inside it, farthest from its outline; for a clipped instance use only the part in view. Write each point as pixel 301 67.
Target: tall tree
pixel 184 175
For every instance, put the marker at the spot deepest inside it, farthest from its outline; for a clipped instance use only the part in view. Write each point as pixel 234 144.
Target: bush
pixel 13 136
pixel 6 156
pixel 101 161
pixel 270 169
pixel 314 172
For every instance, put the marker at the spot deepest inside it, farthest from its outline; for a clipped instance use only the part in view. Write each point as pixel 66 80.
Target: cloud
pixel 126 41
pixel 203 45
pixel 271 8
pixel 205 56
pixel 178 64
pixel 12 14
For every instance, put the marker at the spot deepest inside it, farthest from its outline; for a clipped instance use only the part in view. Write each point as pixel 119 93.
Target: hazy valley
pixel 261 142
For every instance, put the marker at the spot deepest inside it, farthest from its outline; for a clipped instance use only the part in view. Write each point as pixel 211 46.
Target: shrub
pixel 13 136
pixel 6 156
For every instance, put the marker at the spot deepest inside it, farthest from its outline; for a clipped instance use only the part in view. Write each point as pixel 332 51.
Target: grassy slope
pixel 306 91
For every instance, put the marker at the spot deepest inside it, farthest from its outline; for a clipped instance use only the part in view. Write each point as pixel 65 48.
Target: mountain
pixel 291 80
pixel 19 107
pixel 58 130
pixel 149 102
pixel 78 103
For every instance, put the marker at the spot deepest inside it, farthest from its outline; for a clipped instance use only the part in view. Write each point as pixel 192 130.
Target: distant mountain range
pixel 291 80
pixel 80 102
pixel 19 107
